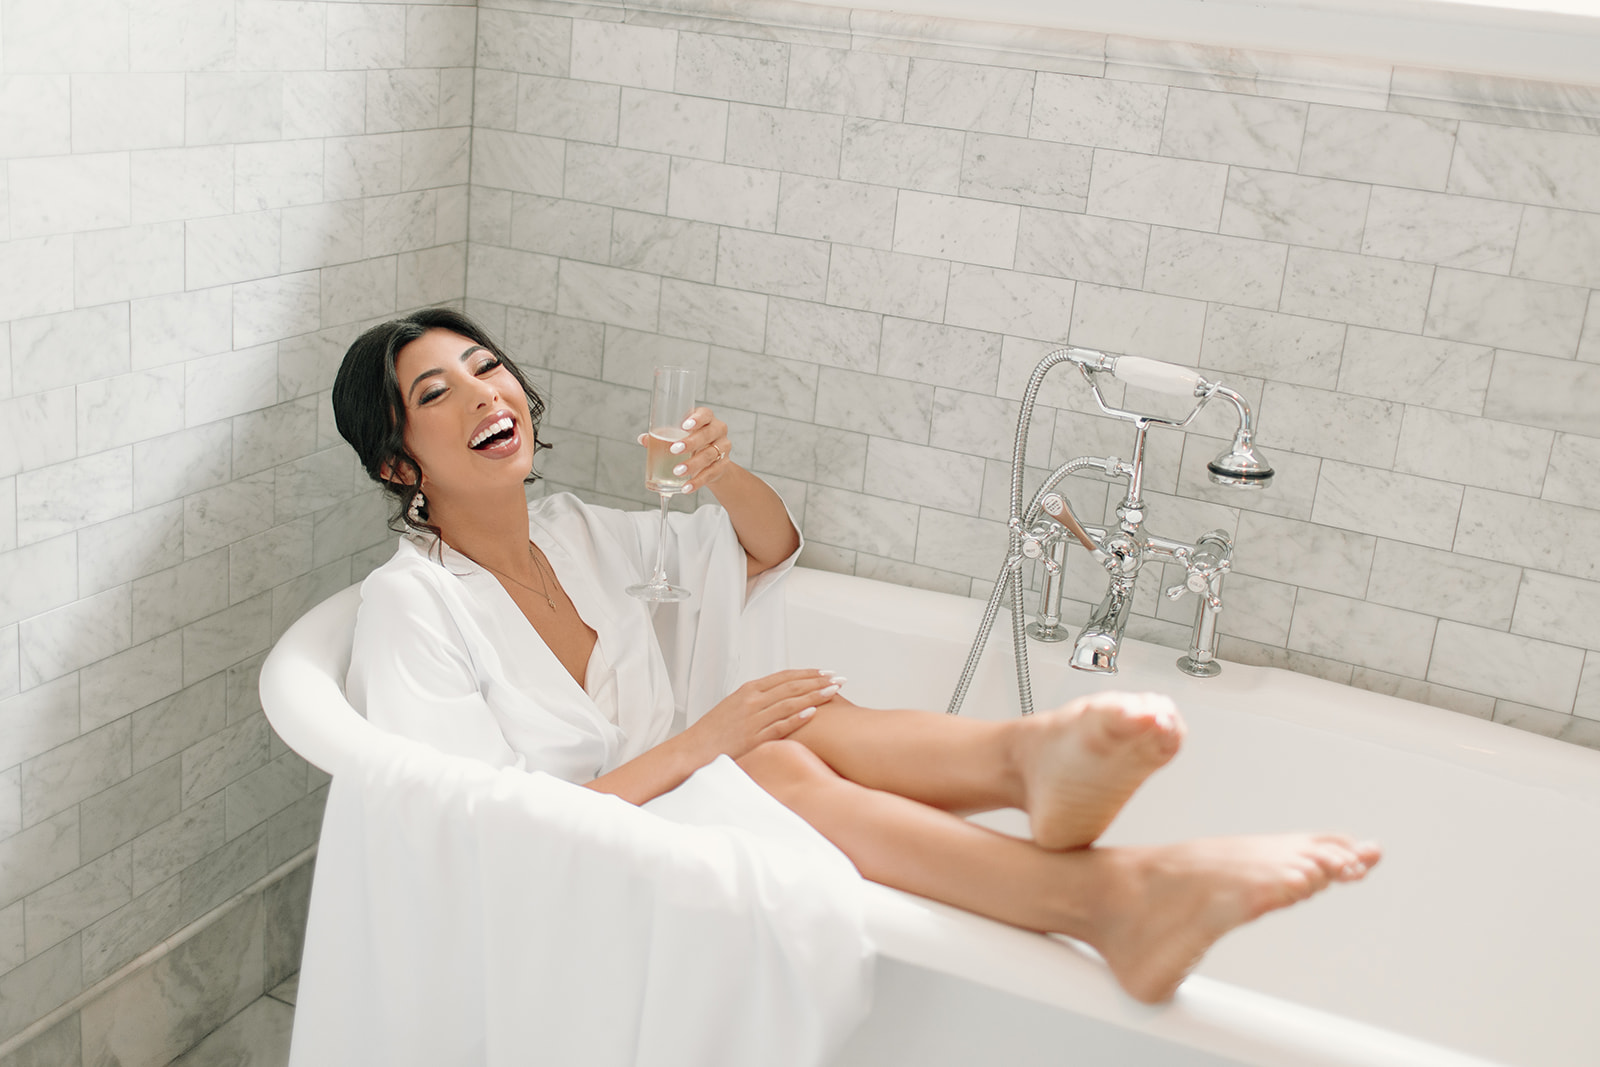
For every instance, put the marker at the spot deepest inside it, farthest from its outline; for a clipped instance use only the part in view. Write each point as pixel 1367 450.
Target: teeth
pixel 499 426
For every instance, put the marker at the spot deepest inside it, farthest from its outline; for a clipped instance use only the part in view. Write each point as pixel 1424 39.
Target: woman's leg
pixel 1071 769
pixel 1150 912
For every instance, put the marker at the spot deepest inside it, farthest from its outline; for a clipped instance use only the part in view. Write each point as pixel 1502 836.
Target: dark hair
pixel 370 411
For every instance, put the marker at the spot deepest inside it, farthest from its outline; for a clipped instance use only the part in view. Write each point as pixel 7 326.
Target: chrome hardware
pixel 1123 551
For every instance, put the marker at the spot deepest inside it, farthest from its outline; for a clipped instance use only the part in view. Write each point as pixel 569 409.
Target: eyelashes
pixel 435 393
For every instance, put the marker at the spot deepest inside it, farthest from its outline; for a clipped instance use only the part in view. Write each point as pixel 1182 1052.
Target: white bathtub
pixel 1476 940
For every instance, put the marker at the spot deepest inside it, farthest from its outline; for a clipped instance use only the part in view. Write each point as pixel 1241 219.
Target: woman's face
pixel 466 416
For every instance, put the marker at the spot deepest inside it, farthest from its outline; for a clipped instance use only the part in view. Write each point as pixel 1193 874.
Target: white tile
pixel 517 161
pixel 63 776
pixel 838 337
pixel 1281 348
pixel 37 430
pixel 1574 473
pixel 170 329
pixel 1083 247
pixel 74 346
pixel 361 166
pixel 731 68
pixel 1304 554
pixel 795 142
pixel 1020 171
pixel 129 407
pixel 66 496
pixel 1126 322
pixel 1478 705
pixel 1377 146
pixel 940 355
pixel 895 284
pixel 64 194
pixel 191 35
pixel 404 222
pixel 223 639
pixel 74 35
pixel 231 248
pixel 113 265
pixel 277 174
pixel 1537 391
pixel 659 245
pixel 1386 503
pixel 1473 451
pixel 1530 166
pixel 1588 702
pixel 320 235
pixel 512 277
pixel 619 177
pixel 38 720
pixel 403 100
pixel 441 36
pixel 924 158
pixel 35 276
pixel 35 115
pixel 731 196
pixel 956 228
pixel 40 577
pixel 673 123
pixel 1494 526
pixel 1285 207
pixel 1168 192
pixel 870 404
pixel 641 56
pixel 163 602
pixel 357 291
pixel 1371 635
pixel 532 43
pixel 1506 312
pixel 1416 370
pixel 61 641
pixel 867 523
pixel 320 103
pixel 1445 584
pixel 846 82
pixel 555 107
pixel 361 36
pixel 631 356
pixel 272 308
pixel 127 681
pixel 1028 305
pixel 563 228
pixel 1559 246
pixel 1450 231
pixel 1360 290
pixel 1556 608
pixel 850 213
pixel 216 387
pixel 606 294
pixel 763 384
pixel 719 316
pixel 1505 665
pixel 1098 112
pixel 1247 131
pixel 280 35
pixel 768 263
pixel 111 112
pixel 232 108
pixel 180 183
pixel 959 543
pixel 967 96
pixel 269 558
pixel 986 426
pixel 1205 266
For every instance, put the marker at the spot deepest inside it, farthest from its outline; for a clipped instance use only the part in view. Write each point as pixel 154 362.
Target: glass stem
pixel 660 576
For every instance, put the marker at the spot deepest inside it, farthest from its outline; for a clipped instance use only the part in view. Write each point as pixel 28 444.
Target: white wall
pixel 200 202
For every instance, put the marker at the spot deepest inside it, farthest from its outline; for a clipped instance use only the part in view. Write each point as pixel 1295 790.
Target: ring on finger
pixel 718 449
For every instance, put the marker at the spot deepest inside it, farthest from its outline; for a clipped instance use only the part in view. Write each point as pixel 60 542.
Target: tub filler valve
pixel 1044 528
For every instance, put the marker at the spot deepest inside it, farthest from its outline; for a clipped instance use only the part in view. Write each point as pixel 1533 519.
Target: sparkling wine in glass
pixel 670 403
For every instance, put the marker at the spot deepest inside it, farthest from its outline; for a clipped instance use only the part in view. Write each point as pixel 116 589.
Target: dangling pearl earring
pixel 417 511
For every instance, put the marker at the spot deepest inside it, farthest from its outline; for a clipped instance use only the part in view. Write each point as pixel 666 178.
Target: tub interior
pixel 1477 932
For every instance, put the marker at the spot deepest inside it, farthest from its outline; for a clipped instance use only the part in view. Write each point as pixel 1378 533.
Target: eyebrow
pixel 435 371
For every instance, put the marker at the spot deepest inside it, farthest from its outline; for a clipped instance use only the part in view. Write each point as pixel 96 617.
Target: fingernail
pixel 677 446
pixel 825 673
pixel 688 487
pixel 837 679
pixel 688 424
pixel 806 714
pixel 680 469
pixel 829 691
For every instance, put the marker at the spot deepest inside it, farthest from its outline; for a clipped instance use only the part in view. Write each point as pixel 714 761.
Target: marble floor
pixel 257 1037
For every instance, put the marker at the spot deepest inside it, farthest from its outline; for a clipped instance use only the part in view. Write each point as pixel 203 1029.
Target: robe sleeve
pixel 411 671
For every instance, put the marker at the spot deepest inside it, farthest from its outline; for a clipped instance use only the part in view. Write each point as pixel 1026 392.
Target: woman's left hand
pixel 703 454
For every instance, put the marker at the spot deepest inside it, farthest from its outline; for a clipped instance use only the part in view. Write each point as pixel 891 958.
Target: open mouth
pixel 496 433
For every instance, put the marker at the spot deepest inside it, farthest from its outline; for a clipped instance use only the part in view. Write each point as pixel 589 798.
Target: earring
pixel 417 512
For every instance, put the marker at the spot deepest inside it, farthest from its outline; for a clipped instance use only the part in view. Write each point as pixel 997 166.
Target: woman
pixel 446 423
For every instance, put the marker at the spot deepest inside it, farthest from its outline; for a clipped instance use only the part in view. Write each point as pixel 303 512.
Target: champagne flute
pixel 670 403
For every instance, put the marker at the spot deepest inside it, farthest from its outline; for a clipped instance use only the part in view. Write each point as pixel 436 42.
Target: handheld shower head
pixel 1241 464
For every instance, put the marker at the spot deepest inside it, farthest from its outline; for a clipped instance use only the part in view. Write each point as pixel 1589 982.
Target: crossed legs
pixel 884 786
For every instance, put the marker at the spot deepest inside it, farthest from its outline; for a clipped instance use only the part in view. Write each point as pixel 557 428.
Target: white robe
pixel 470 907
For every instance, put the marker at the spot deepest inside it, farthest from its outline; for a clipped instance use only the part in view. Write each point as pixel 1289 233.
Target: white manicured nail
pixel 807 713
pixel 680 469
pixel 837 679
pixel 688 487
pixel 677 446
pixel 688 424
pixel 829 691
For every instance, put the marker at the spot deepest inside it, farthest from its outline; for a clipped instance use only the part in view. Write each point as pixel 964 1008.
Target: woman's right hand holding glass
pixel 765 709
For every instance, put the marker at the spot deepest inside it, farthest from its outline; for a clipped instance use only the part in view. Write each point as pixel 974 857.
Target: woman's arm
pixel 755 509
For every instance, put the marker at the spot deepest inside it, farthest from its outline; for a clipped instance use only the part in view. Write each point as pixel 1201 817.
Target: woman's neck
pixel 490 530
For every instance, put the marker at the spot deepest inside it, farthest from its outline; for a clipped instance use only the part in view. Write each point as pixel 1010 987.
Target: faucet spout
pixel 1097 646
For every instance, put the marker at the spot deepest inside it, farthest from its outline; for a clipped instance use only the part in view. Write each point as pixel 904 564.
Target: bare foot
pixel 1084 761
pixel 1174 902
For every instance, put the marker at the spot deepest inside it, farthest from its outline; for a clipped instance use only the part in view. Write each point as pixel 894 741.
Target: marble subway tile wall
pixel 867 229
pixel 201 201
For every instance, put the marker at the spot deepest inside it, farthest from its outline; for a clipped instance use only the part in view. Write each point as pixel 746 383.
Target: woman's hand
pixel 703 455
pixel 766 709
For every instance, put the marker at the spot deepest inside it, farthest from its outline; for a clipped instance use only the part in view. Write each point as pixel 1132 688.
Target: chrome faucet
pixel 1043 529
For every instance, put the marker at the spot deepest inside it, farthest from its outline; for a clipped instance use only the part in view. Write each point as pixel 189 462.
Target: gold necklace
pixel 544 588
